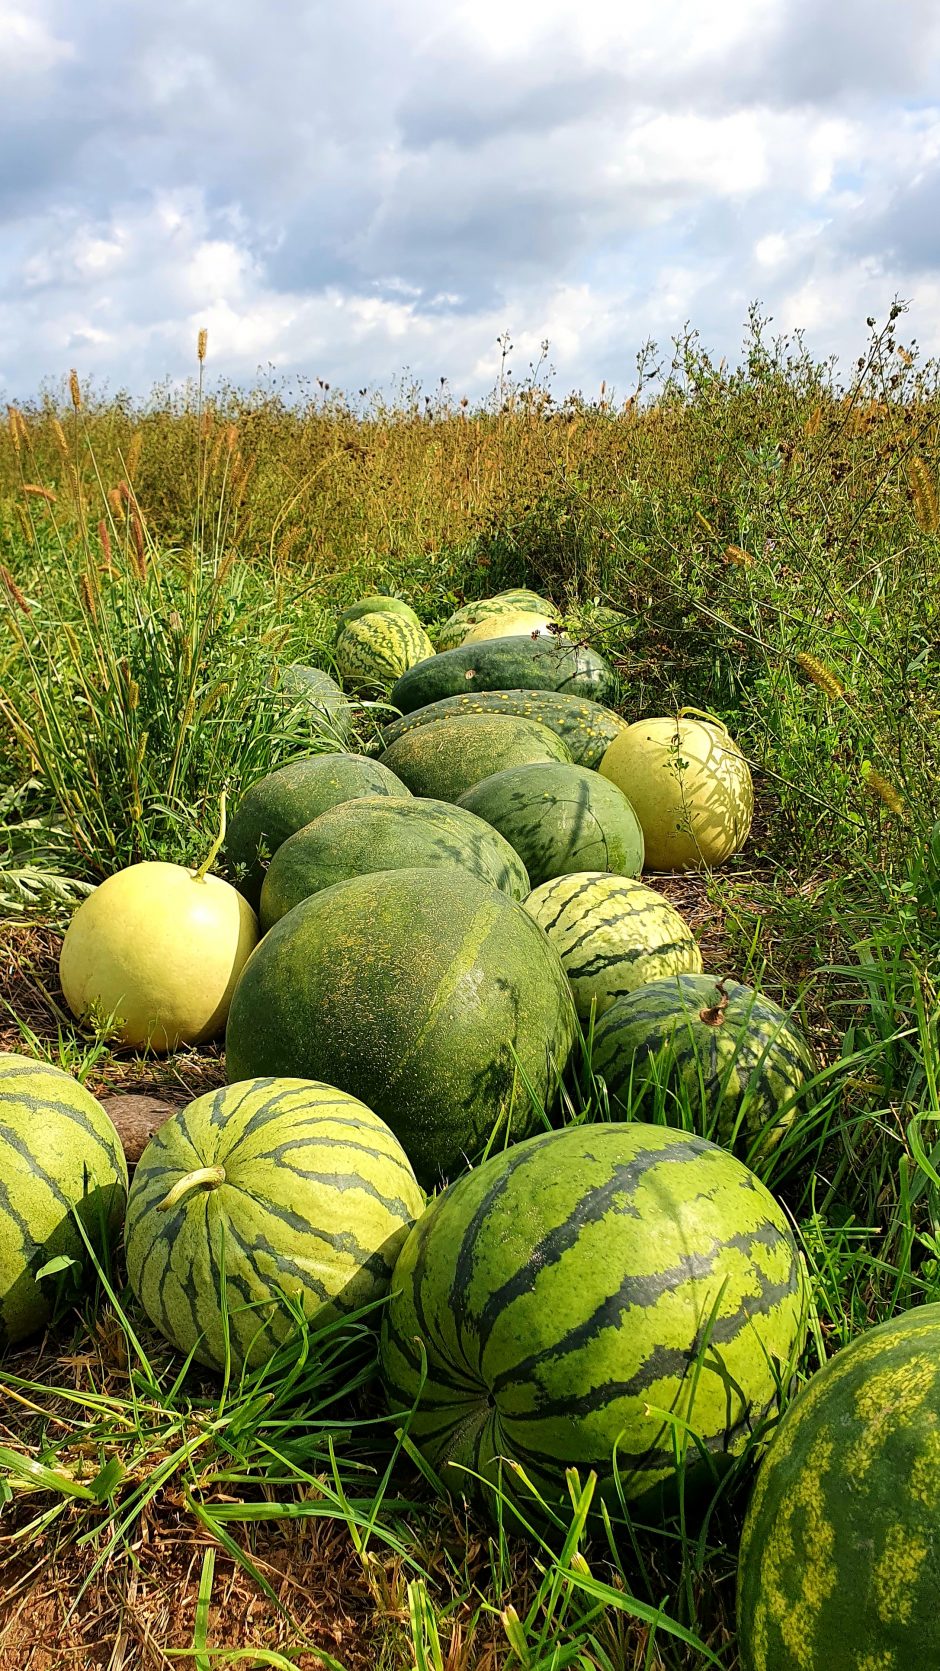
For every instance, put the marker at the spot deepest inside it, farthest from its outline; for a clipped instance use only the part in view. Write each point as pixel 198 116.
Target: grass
pixel 762 542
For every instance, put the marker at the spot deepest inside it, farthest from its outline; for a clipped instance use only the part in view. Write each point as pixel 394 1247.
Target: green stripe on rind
pixel 59 1155
pixel 586 728
pixel 840 1555
pixel 576 1280
pixel 505 664
pixel 377 649
pixel 317 1199
pixel 443 761
pixel 561 820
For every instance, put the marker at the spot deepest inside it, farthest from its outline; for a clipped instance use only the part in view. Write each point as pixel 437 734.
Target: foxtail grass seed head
pixel 139 549
pixel 60 437
pixel 737 555
pixel 104 540
pixel 88 597
pixel 37 492
pixel 923 488
pixel 885 791
pixel 17 428
pixel 133 453
pixel 231 437
pixel 202 342
pixel 116 502
pixel 16 596
pixel 75 390
pixel 821 675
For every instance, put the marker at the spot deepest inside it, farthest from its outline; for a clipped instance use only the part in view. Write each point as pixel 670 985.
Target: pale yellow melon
pixel 512 624
pixel 689 785
pixel 160 949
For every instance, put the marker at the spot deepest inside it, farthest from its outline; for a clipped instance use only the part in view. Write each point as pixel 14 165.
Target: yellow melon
pixel 159 948
pixel 512 624
pixel 689 785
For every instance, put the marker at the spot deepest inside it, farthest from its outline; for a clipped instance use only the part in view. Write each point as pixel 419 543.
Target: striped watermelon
pixel 377 603
pixel 312 693
pixel 725 1056
pixel 284 801
pixel 374 650
pixel 446 759
pixel 427 993
pixel 60 1156
pixel 505 664
pixel 512 602
pixel 570 1294
pixel 612 935
pixel 288 1188
pixel 840 1559
pixel 380 833
pixel 586 728
pixel 560 819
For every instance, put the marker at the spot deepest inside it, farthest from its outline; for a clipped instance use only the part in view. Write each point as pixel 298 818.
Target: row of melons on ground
pixel 580 1291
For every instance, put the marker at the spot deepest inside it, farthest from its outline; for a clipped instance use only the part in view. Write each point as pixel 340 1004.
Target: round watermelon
pixel 586 728
pixel 560 819
pixel 60 1159
pixel 690 786
pixel 523 623
pixel 840 1559
pixel 715 1052
pixel 612 934
pixel 511 602
pixel 284 801
pixel 594 1291
pixel 446 759
pixel 374 650
pixel 427 993
pixel 380 833
pixel 377 603
pixel 287 1190
pixel 313 694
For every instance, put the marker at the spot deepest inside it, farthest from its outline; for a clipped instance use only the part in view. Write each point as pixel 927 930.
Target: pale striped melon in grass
pixel 374 650
pixel 60 1159
pixel 612 934
pixel 259 1191
pixel 592 1289
pixel 511 602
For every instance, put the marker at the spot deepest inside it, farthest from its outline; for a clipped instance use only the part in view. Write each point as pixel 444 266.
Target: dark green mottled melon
pixel 426 993
pixel 542 663
pixel 586 728
pixel 284 801
pixel 446 759
pixel 310 691
pixel 380 833
pixel 840 1558
pixel 564 1297
pixel 560 819
pixel 729 1056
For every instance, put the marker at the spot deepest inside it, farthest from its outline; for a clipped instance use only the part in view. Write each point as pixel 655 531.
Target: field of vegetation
pixel 762 543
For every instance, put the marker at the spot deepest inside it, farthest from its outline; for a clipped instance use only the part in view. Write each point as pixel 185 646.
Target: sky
pixel 365 190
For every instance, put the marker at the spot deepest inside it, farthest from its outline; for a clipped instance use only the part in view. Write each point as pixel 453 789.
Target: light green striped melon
pixel 377 603
pixel 586 728
pixel 612 934
pixel 380 833
pixel 60 1155
pixel 593 1288
pixel 511 602
pixel 374 650
pixel 714 1051
pixel 295 1190
pixel 445 760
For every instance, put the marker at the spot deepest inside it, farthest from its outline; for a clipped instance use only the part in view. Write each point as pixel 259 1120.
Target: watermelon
pixel 291 1189
pixel 517 599
pixel 612 935
pixel 515 624
pixel 727 1057
pixel 571 1294
pixel 446 759
pixel 313 693
pixel 840 1558
pixel 586 728
pixel 374 650
pixel 284 801
pixel 690 786
pixel 427 993
pixel 504 664
pixel 380 833
pixel 377 603
pixel 60 1158
pixel 560 819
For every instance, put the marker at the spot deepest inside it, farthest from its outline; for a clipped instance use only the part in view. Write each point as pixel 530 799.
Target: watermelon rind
pixel 426 993
pixel 443 761
pixel 374 650
pixel 283 801
pixel 586 728
pixel 311 693
pixel 612 934
pixel 505 664
pixel 511 602
pixel 314 1201
pixel 60 1158
pixel 380 833
pixel 586 1293
pixel 690 785
pixel 840 1557
pixel 377 603
pixel 560 819
pixel 714 1052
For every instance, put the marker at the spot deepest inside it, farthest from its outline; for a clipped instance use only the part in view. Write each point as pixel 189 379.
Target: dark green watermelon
pixel 543 663
pixel 560 819
pixel 586 728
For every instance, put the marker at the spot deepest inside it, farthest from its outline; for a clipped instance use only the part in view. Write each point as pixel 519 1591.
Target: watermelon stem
pixel 210 858
pixel 204 1177
pixel 714 1015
